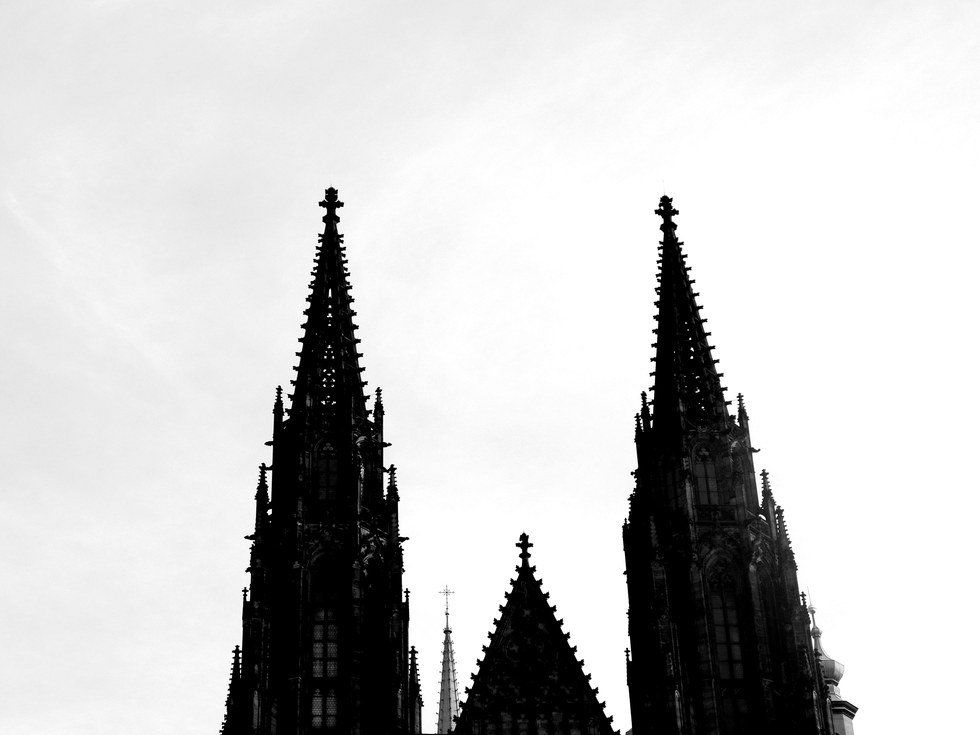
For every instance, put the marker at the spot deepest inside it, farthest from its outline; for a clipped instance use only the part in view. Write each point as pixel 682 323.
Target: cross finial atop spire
pixel 667 211
pixel 331 203
pixel 524 544
pixel 445 592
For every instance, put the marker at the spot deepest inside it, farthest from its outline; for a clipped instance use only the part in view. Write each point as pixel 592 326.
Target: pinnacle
pixel 331 203
pixel 524 544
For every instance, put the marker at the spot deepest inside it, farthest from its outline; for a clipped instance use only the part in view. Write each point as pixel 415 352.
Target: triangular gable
pixel 530 681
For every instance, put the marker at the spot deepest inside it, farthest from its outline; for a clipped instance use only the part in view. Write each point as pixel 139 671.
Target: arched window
pixel 728 639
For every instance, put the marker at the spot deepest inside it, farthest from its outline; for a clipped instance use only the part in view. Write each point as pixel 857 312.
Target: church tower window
pixel 705 482
pixel 316 709
pixel 728 642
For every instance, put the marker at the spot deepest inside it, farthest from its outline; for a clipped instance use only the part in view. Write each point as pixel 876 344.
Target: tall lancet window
pixel 728 640
pixel 705 480
pixel 318 645
pixel 316 710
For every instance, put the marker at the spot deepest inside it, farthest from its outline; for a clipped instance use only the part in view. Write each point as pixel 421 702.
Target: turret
pixel 842 711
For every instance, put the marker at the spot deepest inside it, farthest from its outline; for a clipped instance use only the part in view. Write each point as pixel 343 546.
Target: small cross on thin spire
pixel 524 544
pixel 445 592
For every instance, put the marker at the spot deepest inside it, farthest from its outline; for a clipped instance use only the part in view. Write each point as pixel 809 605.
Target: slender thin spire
pixel 687 392
pixel 329 395
pixel 448 692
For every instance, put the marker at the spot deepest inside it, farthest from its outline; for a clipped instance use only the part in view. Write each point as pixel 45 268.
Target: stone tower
pixel 325 625
pixel 720 640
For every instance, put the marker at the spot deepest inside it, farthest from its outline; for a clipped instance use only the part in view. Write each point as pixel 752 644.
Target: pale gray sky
pixel 160 165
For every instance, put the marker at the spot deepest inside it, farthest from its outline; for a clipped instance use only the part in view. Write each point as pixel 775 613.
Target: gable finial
pixel 331 203
pixel 524 544
pixel 666 211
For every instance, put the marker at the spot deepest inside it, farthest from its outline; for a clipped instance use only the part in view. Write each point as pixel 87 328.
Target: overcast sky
pixel 160 165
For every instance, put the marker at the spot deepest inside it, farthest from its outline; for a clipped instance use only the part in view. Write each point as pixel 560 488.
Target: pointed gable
pixel 530 681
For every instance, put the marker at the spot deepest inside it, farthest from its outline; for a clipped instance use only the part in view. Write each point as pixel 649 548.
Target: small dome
pixel 832 670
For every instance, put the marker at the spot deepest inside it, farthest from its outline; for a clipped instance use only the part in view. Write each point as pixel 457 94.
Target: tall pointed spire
pixel 448 693
pixel 329 393
pixel 325 643
pixel 687 392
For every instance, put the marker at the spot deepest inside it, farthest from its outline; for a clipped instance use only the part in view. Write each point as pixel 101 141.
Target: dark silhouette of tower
pixel 325 625
pixel 720 639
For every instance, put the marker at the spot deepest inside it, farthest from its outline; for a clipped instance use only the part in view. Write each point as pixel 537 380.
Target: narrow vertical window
pixel 332 652
pixel 728 641
pixel 706 482
pixel 331 710
pixel 316 710
pixel 318 644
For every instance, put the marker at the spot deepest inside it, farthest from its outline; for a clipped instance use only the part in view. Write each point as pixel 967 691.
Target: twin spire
pixel 687 391
pixel 329 393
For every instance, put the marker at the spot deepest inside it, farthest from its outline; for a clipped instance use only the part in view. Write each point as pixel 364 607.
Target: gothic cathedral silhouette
pixel 721 642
